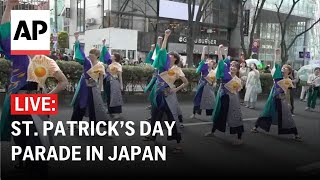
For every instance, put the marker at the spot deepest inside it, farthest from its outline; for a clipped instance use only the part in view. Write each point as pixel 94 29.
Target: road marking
pixel 309 167
pixel 206 123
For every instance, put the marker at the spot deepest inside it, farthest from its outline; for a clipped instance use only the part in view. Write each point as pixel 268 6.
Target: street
pixel 261 154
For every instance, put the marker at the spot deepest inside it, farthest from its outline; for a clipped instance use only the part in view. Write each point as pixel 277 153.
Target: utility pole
pixel 56 14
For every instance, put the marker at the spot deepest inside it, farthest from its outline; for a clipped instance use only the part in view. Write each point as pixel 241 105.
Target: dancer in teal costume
pixel 277 108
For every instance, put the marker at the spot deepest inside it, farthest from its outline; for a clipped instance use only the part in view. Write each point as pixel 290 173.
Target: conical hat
pixel 285 84
pixel 211 77
pixel 39 69
pixel 234 85
pixel 114 68
pixel 96 71
pixel 170 76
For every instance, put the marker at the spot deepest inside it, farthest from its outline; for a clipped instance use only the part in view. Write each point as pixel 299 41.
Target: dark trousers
pixel 35 169
pixel 312 97
pixel 197 110
pixel 221 122
pixel 242 93
pixel 157 115
pixel 78 113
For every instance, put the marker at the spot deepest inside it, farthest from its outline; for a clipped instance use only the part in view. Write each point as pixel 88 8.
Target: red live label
pixel 26 104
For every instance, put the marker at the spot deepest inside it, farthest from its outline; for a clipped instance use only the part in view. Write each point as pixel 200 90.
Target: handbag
pixel 259 88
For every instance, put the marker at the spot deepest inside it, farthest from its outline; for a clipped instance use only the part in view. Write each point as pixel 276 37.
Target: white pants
pixel 304 92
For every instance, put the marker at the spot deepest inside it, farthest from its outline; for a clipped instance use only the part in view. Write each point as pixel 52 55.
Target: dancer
pixel 113 86
pixel 294 77
pixel 243 74
pixel 26 77
pixel 205 95
pixel 88 92
pixel 304 91
pixel 277 108
pixel 164 99
pixel 253 87
pixel 149 60
pixel 314 83
pixel 227 108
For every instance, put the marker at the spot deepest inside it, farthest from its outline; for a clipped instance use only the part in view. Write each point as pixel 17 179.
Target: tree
pixel 147 5
pixel 63 40
pixel 247 51
pixel 193 26
pixel 283 21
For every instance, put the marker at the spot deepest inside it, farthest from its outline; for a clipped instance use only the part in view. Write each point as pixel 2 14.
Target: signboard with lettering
pixel 68 15
pixel 205 41
pixel 307 55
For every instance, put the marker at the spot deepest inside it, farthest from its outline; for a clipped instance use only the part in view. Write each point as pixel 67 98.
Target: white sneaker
pixel 254 130
pixel 307 109
pixel 193 116
pixel 209 134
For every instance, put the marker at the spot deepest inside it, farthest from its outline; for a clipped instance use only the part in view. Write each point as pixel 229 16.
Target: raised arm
pixel 276 70
pixel 7 12
pixel 203 61
pixel 79 55
pixel 220 52
pixel 150 54
pixel 105 56
pixel 204 51
pixel 159 41
pixel 165 40
pixel 5 33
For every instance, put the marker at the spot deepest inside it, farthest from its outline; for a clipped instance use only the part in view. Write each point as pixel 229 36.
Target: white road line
pixel 206 123
pixel 309 167
pixel 196 124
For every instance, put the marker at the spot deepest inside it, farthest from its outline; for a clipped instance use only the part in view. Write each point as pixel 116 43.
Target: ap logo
pixel 30 32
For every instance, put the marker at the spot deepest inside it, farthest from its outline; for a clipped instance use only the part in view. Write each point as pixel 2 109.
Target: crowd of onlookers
pixel 61 56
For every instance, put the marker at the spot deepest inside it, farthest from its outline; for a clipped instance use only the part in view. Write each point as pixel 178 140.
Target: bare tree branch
pixel 207 15
pixel 151 6
pixel 124 5
pixel 140 8
pixel 255 12
pixel 278 14
pixel 298 35
pixel 291 10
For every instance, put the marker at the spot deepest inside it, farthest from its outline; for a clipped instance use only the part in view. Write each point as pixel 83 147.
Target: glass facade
pixel 268 30
pixel 305 8
pixel 81 24
pixel 141 15
pixel 60 18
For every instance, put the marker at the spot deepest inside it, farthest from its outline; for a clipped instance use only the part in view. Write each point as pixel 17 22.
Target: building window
pixel 81 15
pixel 131 54
pixel 119 51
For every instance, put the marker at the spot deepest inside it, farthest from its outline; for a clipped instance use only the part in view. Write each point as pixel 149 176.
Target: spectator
pixel 53 55
pixel 267 69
